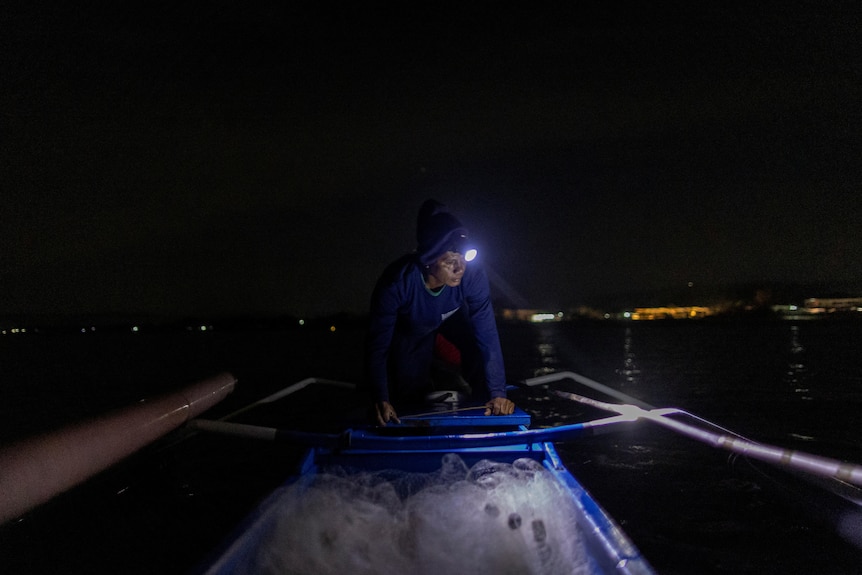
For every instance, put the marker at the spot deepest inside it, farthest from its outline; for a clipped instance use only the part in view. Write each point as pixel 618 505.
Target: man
pixel 420 295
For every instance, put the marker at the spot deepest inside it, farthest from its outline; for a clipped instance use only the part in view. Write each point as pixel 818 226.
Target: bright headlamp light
pixel 463 246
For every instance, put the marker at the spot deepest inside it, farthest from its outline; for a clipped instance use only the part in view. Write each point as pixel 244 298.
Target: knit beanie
pixel 437 231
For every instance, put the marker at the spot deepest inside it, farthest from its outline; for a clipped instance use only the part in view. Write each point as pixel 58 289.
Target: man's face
pixel 449 269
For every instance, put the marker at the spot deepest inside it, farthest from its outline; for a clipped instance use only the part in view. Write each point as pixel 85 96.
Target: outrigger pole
pixel 798 460
pixel 35 470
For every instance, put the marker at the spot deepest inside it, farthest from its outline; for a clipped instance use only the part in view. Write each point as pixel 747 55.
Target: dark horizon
pixel 738 299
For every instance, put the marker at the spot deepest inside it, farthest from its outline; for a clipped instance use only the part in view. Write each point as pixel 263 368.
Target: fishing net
pixel 492 518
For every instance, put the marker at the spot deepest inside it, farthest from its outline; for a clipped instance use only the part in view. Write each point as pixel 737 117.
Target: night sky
pixel 203 158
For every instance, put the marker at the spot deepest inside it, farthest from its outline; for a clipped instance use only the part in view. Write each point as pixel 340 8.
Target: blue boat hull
pixel 607 547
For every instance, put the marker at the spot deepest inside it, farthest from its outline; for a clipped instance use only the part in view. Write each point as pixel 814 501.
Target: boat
pixel 448 489
pixel 565 531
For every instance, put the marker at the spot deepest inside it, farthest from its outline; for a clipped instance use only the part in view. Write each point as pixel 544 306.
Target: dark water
pixel 690 508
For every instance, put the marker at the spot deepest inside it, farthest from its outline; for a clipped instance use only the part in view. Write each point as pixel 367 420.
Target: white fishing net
pixel 493 518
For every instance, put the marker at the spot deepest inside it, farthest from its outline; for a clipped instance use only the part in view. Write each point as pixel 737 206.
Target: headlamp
pixel 463 247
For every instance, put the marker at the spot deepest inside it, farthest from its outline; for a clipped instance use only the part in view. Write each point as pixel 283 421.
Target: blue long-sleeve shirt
pixel 405 317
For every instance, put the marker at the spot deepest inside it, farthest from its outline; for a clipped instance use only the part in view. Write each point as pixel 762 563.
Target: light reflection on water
pixel 797 370
pixel 630 371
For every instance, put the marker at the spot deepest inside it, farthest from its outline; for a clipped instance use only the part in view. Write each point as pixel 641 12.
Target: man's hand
pixel 384 413
pixel 499 406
